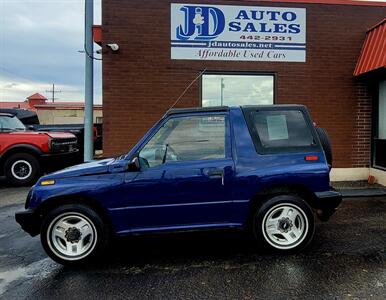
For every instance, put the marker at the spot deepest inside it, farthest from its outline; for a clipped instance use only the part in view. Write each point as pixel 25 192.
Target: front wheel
pixel 73 234
pixel 22 169
pixel 284 223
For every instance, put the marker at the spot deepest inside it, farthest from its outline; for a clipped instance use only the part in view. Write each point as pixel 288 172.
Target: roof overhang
pixel 373 53
pixel 97 34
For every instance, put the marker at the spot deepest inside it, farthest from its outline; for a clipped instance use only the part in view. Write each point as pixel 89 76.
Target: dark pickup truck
pixel 76 129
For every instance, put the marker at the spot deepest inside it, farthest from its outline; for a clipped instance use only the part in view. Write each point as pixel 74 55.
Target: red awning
pixel 97 34
pixel 373 54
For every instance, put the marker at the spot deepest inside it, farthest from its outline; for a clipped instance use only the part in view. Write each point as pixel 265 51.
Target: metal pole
pixel 88 84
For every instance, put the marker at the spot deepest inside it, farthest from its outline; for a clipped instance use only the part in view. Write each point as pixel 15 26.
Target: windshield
pixel 11 123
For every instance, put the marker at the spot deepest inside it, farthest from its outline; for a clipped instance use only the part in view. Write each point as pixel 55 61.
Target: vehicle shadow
pixel 3 182
pixel 188 248
pixel 212 244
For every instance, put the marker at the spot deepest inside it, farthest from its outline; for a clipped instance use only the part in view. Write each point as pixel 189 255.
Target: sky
pixel 39 44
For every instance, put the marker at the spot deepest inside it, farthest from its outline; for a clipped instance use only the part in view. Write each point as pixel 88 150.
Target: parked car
pixel 257 168
pixel 31 122
pixel 25 155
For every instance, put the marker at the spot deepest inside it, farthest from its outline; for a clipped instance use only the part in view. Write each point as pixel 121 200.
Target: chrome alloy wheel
pixel 21 169
pixel 71 236
pixel 285 226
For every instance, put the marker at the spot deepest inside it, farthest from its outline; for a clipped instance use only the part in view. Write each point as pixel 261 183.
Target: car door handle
pixel 214 173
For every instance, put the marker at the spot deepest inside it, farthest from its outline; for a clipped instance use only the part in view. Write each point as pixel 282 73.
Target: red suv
pixel 25 155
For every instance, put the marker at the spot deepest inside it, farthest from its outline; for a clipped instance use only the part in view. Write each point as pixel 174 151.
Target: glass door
pixel 380 129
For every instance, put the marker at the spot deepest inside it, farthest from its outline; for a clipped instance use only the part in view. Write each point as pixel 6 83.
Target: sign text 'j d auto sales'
pixel 227 32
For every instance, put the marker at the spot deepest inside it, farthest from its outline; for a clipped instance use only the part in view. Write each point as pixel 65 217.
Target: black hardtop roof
pixel 226 108
pixel 274 106
pixel 196 109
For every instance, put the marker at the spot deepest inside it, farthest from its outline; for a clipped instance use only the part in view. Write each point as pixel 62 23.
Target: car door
pixel 186 171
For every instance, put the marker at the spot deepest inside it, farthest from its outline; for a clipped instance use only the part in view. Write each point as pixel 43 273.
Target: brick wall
pixel 360 149
pixel 140 82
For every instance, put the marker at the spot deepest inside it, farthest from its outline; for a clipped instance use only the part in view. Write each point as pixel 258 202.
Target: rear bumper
pixel 29 220
pixel 326 203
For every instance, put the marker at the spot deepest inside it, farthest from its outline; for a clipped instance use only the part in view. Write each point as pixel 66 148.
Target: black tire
pixel 16 166
pixel 326 143
pixel 55 249
pixel 275 238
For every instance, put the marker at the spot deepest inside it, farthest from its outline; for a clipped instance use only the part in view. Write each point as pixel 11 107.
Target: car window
pixel 281 130
pixel 186 138
pixel 8 122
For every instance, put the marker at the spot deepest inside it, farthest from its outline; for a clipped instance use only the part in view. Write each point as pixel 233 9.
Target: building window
pixel 237 89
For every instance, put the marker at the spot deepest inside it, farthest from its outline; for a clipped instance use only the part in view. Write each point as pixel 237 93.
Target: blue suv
pixel 258 168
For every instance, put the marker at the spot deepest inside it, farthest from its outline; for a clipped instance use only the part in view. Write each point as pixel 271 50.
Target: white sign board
pixel 228 32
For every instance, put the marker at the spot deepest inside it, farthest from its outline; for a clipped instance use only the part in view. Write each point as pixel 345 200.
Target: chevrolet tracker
pixel 258 168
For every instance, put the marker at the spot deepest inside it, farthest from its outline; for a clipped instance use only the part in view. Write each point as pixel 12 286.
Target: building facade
pixel 66 113
pixel 55 112
pixel 246 52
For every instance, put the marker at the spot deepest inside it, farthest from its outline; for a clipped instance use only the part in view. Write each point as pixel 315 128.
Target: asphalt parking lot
pixel 347 260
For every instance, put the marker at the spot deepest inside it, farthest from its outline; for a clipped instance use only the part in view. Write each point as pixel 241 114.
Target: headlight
pixel 63 145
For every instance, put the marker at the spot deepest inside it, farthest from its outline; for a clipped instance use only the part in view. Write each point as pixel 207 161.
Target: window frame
pixel 260 149
pixel 228 137
pixel 240 73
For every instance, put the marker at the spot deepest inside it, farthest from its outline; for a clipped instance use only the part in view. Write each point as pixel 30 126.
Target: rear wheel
pixel 284 223
pixel 22 169
pixel 73 234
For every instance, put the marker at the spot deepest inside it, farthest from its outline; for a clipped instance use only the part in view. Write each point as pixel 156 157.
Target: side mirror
pixel 30 127
pixel 134 164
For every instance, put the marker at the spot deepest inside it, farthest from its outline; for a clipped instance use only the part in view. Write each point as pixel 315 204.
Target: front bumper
pixel 326 203
pixel 29 220
pixel 56 161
